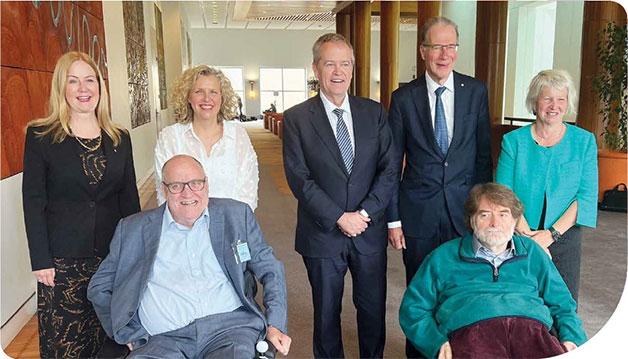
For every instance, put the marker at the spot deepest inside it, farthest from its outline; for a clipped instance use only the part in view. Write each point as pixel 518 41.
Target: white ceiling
pixel 271 15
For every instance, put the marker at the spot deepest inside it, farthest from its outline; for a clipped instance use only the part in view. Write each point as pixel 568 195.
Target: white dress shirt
pixel 448 105
pixel 346 116
pixel 231 165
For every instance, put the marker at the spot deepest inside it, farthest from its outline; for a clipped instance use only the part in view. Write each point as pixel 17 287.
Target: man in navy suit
pixel 338 162
pixel 440 122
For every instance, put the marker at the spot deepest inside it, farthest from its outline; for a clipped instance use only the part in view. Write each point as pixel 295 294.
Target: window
pixel 234 74
pixel 284 87
pixel 541 35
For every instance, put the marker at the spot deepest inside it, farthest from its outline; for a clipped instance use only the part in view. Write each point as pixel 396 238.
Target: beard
pixel 494 237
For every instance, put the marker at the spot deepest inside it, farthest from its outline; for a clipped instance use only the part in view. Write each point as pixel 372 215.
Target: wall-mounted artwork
pixel 161 62
pixel 34 35
pixel 137 67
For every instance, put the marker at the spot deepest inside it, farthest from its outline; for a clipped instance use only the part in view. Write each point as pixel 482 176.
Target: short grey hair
pixel 436 20
pixel 176 157
pixel 330 37
pixel 556 79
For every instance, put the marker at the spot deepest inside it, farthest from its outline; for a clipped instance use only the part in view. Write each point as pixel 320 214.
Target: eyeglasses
pixel 178 187
pixel 438 47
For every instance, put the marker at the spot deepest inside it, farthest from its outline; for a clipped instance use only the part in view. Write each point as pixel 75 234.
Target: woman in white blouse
pixel 204 106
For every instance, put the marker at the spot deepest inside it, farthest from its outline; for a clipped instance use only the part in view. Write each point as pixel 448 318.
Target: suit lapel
pixel 221 247
pixel 151 234
pixel 360 132
pixel 320 122
pixel 422 104
pixel 460 99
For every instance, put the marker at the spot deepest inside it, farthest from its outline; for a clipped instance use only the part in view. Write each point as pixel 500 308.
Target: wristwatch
pixel 556 236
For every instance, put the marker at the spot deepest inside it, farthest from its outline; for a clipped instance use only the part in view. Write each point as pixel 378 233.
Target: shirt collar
pixel 433 85
pixel 477 246
pixel 226 130
pixel 169 220
pixel 330 106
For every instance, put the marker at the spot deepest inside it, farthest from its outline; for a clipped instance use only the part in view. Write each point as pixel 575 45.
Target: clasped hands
pixel 352 224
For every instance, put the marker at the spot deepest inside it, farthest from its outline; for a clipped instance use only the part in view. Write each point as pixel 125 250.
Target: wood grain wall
pixel 34 35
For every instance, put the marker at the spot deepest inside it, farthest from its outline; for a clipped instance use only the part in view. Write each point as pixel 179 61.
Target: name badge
pixel 241 251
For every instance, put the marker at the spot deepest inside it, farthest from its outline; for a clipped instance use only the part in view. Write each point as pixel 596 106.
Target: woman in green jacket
pixel 552 167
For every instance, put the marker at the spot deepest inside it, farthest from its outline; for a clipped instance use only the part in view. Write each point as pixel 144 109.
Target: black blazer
pixel 433 183
pixel 319 180
pixel 64 216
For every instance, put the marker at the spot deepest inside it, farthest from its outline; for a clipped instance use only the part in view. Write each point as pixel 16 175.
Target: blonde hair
pixel 556 79
pixel 183 112
pixel 57 122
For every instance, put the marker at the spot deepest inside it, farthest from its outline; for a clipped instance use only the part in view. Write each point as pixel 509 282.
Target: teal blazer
pixel 566 172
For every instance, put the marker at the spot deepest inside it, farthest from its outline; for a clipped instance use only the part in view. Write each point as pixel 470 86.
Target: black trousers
pixel 566 255
pixel 417 248
pixel 326 276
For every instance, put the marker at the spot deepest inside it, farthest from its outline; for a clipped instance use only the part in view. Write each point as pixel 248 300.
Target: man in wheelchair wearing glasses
pixel 176 280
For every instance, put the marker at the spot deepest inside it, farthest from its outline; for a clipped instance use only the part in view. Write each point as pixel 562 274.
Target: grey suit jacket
pixel 117 287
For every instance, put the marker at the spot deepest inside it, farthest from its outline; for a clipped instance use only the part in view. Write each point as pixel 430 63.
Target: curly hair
pixel 183 112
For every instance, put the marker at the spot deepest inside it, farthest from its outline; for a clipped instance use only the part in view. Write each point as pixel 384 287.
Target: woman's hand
pixel 543 238
pixel 45 276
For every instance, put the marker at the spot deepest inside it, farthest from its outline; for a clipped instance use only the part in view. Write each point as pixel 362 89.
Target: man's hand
pixel 445 351
pixel 542 237
pixel 352 223
pixel 396 238
pixel 569 346
pixel 279 340
pixel 45 276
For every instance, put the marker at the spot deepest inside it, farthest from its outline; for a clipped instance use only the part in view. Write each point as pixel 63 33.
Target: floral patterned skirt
pixel 68 325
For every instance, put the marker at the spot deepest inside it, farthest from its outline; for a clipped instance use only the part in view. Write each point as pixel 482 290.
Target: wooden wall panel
pixel 34 35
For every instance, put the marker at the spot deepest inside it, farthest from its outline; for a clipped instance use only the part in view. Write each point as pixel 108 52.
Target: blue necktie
pixel 344 141
pixel 440 123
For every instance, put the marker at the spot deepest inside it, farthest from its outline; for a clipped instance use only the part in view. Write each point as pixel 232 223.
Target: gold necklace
pixel 90 149
pixel 550 139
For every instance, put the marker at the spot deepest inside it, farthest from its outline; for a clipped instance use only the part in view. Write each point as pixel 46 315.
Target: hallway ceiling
pixel 272 15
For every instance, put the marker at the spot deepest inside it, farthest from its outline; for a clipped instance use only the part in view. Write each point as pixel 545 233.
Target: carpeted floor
pixel 602 278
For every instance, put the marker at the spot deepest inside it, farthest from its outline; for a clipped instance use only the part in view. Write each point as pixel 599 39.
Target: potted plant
pixel 313 86
pixel 610 84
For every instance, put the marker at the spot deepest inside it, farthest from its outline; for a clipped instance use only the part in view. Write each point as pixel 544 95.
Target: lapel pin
pixel 462 85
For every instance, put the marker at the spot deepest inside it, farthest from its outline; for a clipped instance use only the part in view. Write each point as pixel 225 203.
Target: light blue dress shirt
pixel 186 282
pixel 495 259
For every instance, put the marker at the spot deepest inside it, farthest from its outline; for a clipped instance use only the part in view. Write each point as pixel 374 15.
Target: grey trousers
pixel 225 335
pixel 566 255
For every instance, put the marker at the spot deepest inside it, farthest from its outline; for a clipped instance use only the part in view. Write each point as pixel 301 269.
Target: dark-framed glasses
pixel 178 187
pixel 439 47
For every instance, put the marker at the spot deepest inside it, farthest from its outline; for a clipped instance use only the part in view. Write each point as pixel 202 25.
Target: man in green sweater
pixel 491 294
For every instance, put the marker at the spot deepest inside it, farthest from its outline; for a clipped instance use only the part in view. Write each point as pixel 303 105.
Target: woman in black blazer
pixel 78 181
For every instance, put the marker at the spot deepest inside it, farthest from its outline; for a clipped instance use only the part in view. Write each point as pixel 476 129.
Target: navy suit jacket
pixel 319 180
pixel 432 182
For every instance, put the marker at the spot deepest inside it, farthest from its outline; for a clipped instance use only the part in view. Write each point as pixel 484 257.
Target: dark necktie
pixel 440 123
pixel 344 141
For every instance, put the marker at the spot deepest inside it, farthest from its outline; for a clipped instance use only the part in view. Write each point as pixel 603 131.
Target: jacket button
pixel 446 164
pixel 92 204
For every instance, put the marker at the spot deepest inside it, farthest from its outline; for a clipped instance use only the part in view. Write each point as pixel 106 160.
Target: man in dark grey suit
pixel 337 158
pixel 173 284
pixel 440 122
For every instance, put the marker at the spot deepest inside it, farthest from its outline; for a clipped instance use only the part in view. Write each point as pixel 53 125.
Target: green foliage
pixel 610 85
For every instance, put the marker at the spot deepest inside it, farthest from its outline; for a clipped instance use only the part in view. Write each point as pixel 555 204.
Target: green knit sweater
pixel 453 289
